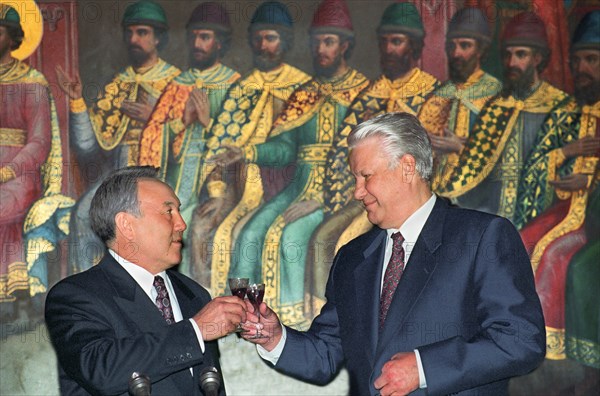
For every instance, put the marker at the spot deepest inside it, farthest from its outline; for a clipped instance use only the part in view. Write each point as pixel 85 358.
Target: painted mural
pixel 247 118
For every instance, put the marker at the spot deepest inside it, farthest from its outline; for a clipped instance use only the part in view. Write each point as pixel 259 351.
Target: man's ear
pixel 123 225
pixel 409 165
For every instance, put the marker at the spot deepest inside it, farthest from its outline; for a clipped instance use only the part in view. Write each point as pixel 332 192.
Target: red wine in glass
pixel 255 293
pixel 239 292
pixel 238 288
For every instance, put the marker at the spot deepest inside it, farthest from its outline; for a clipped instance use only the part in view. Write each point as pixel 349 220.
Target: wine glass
pixel 255 293
pixel 238 288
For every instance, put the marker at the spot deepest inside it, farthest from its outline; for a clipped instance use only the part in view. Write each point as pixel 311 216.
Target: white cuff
pixel 422 381
pixel 198 334
pixel 273 355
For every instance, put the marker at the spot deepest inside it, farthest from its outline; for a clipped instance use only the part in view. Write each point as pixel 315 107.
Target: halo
pixel 32 24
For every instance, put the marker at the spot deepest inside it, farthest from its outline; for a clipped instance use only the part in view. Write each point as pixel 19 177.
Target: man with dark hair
pixel 132 313
pixel 245 117
pixel 401 87
pixel 31 204
pixel 451 110
pixel 272 245
pixel 489 167
pixel 435 299
pixel 107 137
pixel 175 137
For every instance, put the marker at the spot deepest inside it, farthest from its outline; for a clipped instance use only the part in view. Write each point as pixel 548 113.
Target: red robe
pixel 25 140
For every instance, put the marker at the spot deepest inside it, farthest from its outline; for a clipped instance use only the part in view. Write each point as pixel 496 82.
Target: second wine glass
pixel 256 293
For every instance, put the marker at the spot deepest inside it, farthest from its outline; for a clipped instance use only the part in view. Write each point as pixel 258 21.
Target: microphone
pixel 210 381
pixel 139 384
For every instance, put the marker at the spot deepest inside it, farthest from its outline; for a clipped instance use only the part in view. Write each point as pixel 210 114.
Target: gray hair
pixel 401 134
pixel 117 193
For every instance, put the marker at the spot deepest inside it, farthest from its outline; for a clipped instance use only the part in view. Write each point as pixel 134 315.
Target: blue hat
pixel 587 34
pixel 271 15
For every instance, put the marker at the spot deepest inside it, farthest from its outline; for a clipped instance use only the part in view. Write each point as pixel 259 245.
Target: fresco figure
pixel 449 113
pixel 107 136
pixel 502 138
pixel 33 214
pixel 582 317
pixel 558 179
pixel 402 86
pixel 175 137
pixel 272 245
pixel 245 117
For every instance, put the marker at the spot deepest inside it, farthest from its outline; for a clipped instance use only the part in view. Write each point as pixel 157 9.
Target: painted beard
pixel 393 66
pixel 327 71
pixel 137 56
pixel 517 82
pixel 203 62
pixel 265 61
pixel 587 90
pixel 461 69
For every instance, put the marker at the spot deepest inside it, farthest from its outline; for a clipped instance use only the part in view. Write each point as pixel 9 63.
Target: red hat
pixel 209 15
pixel 332 16
pixel 526 29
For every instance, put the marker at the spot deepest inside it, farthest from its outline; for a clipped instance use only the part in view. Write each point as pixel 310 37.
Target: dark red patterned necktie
pixel 163 302
pixel 392 277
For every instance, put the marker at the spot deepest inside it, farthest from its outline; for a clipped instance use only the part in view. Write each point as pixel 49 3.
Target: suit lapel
pixel 130 297
pixel 420 266
pixel 188 302
pixel 367 276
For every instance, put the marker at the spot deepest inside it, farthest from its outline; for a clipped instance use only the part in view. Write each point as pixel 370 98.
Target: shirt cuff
pixel 273 355
pixel 422 381
pixel 198 334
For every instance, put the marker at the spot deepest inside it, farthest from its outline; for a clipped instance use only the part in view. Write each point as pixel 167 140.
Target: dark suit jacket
pixel 104 327
pixel 466 301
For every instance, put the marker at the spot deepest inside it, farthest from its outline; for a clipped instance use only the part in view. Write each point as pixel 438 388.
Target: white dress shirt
pixel 146 281
pixel 410 230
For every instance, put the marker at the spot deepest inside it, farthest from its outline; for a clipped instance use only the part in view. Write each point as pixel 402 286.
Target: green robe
pixel 177 150
pixel 489 167
pixel 567 123
pixel 245 118
pixel 267 249
pixel 582 316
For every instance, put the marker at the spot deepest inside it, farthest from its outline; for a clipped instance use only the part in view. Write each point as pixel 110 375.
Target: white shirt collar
pixel 411 229
pixel 142 277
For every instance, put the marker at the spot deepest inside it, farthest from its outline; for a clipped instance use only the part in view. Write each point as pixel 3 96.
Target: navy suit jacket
pixel 104 327
pixel 466 301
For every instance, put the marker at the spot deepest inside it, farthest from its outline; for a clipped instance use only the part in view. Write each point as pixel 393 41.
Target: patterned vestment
pixel 179 150
pixel 106 139
pixel 267 248
pixel 489 167
pixel 455 107
pixel 245 118
pixel 555 234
